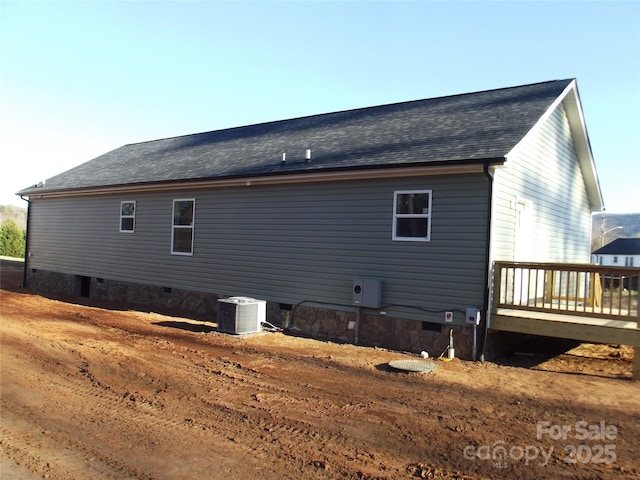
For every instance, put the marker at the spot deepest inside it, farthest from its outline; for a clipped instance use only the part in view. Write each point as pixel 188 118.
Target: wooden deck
pixel 575 327
pixel 578 302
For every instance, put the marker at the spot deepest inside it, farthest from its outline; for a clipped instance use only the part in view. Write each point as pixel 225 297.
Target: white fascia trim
pixel 578 126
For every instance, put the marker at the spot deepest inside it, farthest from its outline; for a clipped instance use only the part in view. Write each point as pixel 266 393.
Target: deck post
pixel 635 373
pixel 497 285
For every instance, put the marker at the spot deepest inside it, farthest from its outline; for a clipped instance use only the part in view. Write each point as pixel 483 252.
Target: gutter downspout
pixel 487 272
pixel 26 243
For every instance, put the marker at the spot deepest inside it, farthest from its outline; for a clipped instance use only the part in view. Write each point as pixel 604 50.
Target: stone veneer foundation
pixel 316 322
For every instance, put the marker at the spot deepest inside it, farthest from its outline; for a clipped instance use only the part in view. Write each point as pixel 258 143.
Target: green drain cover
pixel 413 365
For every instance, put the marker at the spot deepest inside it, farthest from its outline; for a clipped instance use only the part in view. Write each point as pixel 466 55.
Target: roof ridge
pixel 348 110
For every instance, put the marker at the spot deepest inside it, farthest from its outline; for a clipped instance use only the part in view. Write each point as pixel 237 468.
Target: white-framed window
pixel 628 261
pixel 127 216
pixel 412 215
pixel 184 210
pixel 615 259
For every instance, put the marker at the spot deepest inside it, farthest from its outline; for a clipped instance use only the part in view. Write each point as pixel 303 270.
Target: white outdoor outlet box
pixel 448 317
pixel 473 316
pixel 367 292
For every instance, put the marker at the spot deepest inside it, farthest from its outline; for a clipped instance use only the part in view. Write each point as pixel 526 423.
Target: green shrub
pixel 12 239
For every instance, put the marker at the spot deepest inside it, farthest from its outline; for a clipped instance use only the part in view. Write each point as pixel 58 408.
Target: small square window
pixel 127 216
pixel 412 216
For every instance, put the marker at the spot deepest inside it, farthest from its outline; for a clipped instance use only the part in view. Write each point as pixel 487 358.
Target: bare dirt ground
pixel 95 391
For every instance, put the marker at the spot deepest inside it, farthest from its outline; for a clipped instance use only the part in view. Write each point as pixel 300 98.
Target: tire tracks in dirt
pixel 73 377
pixel 99 393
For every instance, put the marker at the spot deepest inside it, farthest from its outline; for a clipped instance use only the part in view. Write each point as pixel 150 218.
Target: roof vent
pixel 284 158
pixel 308 155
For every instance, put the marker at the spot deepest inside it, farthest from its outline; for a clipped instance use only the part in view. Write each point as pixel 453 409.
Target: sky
pixel 81 78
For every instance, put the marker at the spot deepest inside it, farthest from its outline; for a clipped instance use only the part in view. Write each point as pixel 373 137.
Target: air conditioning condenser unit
pixel 240 315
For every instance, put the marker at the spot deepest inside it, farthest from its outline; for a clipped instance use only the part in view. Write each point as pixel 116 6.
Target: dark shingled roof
pixel 620 246
pixel 461 128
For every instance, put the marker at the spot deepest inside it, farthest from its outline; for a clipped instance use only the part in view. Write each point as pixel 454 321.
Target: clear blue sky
pixel 81 78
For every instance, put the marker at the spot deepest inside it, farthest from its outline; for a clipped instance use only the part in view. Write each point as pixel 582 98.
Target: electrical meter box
pixel 367 292
pixel 473 316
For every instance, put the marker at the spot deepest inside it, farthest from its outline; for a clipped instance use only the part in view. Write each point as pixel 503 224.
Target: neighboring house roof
pixel 620 246
pixel 470 128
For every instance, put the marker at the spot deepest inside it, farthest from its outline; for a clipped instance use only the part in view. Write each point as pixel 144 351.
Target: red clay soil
pixel 108 393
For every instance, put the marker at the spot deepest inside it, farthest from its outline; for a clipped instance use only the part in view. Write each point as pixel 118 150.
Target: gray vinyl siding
pixel 545 171
pixel 283 243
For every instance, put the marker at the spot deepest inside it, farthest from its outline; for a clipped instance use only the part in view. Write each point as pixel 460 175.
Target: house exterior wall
pixel 618 260
pixel 543 172
pixel 282 243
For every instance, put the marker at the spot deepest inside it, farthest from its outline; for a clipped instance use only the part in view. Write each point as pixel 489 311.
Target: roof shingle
pixel 620 246
pixel 468 127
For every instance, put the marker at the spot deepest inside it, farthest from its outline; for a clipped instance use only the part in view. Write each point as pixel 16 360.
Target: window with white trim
pixel 127 216
pixel 412 215
pixel 182 227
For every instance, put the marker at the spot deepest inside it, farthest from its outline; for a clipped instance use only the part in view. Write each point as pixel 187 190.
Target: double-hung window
pixel 127 216
pixel 182 228
pixel 412 215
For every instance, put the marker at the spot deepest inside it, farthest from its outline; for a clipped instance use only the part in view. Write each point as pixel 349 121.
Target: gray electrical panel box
pixel 367 292
pixel 473 316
